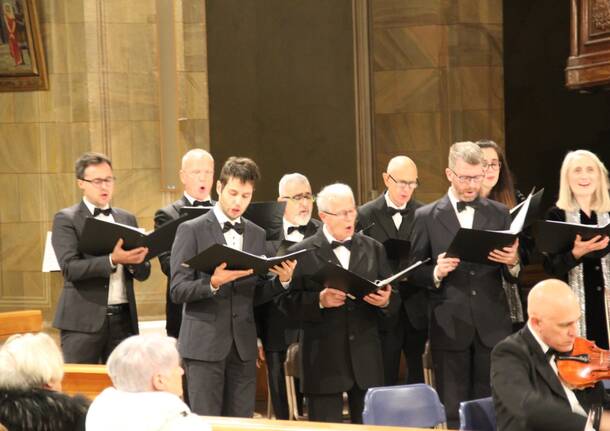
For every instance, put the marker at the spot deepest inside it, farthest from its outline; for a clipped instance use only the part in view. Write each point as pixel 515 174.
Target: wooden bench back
pixel 19 322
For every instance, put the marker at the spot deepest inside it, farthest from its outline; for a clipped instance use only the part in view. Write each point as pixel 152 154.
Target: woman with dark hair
pixel 498 185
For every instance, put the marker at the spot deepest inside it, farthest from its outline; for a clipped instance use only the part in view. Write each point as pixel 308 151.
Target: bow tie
pixel 461 205
pixel 237 227
pixel 347 244
pixel 98 211
pixel 549 353
pixel 202 203
pixel 392 211
pixel 301 229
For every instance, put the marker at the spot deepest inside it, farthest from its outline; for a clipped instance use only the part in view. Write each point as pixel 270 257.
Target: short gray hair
pixel 133 363
pixel 195 153
pixel 468 151
pixel 291 178
pixel 331 192
pixel 29 361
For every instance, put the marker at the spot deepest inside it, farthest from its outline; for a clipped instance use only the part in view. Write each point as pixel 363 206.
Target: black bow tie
pixel 98 211
pixel 302 229
pixel 237 227
pixel 461 205
pixel 392 211
pixel 202 203
pixel 549 353
pixel 347 244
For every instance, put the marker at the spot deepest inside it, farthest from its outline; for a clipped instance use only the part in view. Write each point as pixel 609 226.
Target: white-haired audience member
pixel 31 371
pixel 147 377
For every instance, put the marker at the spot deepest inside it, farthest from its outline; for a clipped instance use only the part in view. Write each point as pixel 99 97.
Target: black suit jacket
pixel 339 346
pixel 173 312
pixel 470 298
pixel 83 300
pixel 275 330
pixel 527 393
pixel 375 211
pixel 212 322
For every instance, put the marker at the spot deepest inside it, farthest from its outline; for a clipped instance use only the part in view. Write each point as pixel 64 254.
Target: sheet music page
pixel 49 260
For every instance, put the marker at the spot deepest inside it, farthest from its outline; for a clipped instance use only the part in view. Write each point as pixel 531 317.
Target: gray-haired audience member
pixel 147 377
pixel 31 371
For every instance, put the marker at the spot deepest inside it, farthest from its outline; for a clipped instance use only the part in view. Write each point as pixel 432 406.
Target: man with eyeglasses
pixel 97 307
pixel 339 346
pixel 275 330
pixel 467 304
pixel 196 175
pixel 390 216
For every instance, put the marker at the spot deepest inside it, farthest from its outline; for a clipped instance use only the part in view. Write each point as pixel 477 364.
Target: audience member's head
pixel 294 189
pixel 554 313
pixel 145 363
pixel 29 361
pixel 400 178
pixel 466 170
pixel 337 210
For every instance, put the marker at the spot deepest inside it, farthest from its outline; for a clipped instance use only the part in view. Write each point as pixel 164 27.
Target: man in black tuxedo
pixel 276 331
pixel 196 174
pixel 528 393
pixel 218 335
pixel 339 345
pixel 467 304
pixel 97 306
pixel 390 216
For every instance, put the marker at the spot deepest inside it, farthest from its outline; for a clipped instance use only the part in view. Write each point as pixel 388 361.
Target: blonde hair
pixel 601 197
pixel 30 360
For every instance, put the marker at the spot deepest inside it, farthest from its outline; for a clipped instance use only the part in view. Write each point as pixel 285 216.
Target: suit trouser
pixel 95 347
pixel 222 388
pixel 461 375
pixel 329 407
pixel 403 337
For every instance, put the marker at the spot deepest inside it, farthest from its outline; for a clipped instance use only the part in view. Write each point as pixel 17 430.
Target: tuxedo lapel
pixel 213 227
pixel 481 214
pixel 311 229
pixel 323 249
pixel 407 220
pixel 357 253
pixel 542 365
pixel 446 215
pixel 249 239
pixel 383 218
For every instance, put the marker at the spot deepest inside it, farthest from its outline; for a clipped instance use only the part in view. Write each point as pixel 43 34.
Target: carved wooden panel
pixel 589 61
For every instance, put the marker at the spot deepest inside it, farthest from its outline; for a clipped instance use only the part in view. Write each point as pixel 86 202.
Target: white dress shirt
pixel 342 253
pixel 398 216
pixel 295 235
pixel 116 283
pixel 574 403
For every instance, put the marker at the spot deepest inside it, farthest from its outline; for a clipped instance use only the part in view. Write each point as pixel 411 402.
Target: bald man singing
pixel 391 216
pixel 528 394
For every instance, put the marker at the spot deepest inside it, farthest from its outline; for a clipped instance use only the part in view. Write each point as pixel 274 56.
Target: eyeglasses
pixel 97 182
pixel 494 166
pixel 196 173
pixel 405 184
pixel 464 179
pixel 345 214
pixel 300 197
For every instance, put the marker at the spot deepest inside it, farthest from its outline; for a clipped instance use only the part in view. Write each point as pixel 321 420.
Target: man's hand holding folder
pixel 127 257
pixel 222 275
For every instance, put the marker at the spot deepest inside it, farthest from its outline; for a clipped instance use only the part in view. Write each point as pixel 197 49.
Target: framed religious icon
pixel 22 60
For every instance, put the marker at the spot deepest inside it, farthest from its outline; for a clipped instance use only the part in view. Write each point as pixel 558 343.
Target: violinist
pixel 528 394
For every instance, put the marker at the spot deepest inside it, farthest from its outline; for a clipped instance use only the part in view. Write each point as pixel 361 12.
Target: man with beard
pixel 275 329
pixel 468 308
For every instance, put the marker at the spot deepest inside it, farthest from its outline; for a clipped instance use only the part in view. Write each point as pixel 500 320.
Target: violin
pixel 585 365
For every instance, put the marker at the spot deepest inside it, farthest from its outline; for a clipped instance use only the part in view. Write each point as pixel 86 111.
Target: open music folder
pixel 99 237
pixel 474 245
pixel 558 237
pixel 355 286
pixel 533 211
pixel 211 257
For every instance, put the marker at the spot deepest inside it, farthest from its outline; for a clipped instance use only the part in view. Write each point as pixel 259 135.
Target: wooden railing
pixel 18 322
pixel 85 379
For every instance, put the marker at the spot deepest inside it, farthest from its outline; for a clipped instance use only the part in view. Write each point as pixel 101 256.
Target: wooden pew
pixel 241 424
pixel 18 322
pixel 85 379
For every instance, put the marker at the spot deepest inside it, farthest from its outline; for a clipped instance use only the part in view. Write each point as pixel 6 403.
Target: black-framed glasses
pixel 345 214
pixel 97 182
pixel 494 166
pixel 464 179
pixel 300 197
pixel 405 184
